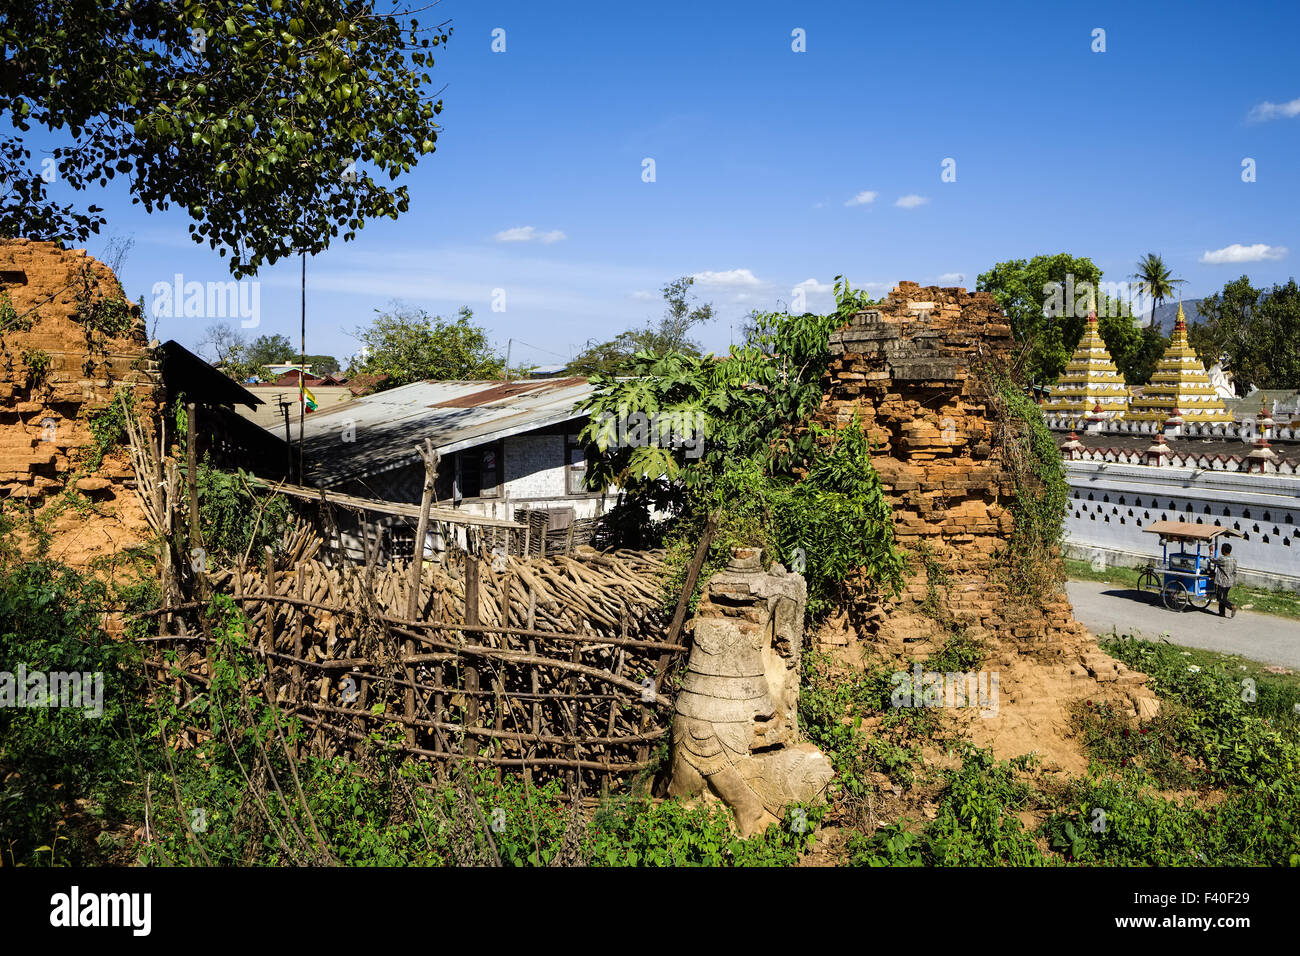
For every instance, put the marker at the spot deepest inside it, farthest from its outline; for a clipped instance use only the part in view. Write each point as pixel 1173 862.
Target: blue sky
pixel 759 151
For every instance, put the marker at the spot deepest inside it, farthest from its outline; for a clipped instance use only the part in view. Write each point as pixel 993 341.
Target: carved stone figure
pixel 735 731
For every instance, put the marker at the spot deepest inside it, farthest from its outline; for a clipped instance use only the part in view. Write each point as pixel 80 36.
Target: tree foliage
pixel 323 364
pixel 1135 349
pixel 1155 279
pixel 738 448
pixel 274 349
pixel 269 122
pixel 1020 288
pixel 270 350
pixel 1047 299
pixel 670 334
pixel 1256 332
pixel 409 345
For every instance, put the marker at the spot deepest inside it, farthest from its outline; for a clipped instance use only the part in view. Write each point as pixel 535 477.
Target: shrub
pixel 237 520
pixel 64 773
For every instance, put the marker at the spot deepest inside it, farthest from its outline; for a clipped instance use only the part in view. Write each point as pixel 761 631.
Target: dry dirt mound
pixel 1036 688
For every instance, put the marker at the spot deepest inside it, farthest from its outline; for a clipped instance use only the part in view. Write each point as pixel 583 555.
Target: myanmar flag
pixel 311 399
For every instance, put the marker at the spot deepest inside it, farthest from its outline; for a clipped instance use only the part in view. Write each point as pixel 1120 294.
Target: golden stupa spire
pixel 1091 385
pixel 1180 382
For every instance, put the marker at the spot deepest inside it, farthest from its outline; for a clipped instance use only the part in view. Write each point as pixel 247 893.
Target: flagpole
pixel 302 375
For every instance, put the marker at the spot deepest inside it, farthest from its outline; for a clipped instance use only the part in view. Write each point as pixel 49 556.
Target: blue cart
pixel 1184 574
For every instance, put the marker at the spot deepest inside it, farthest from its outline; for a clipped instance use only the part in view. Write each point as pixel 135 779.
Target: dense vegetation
pixel 1211 780
pixel 732 441
pixel 1047 299
pixel 1255 332
pixel 120 788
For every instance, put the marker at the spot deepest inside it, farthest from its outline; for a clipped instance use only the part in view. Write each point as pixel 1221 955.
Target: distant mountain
pixel 1168 312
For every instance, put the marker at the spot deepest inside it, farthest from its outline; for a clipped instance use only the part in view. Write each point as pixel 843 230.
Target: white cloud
pixel 732 278
pixel 911 201
pixel 862 198
pixel 952 278
pixel 812 285
pixel 1271 111
pixel 528 234
pixel 1236 252
pixel 642 296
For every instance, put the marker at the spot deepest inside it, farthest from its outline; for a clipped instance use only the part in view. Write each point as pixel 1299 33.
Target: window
pixel 490 472
pixel 478 472
pixel 467 474
pixel 575 475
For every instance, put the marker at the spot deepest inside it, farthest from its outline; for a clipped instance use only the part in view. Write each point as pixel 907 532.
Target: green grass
pixel 1259 600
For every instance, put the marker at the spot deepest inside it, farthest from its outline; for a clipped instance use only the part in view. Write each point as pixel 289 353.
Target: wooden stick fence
pixel 549 663
pixel 553 674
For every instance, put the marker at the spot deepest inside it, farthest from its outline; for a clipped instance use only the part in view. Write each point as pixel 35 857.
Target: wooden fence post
pixel 430 456
pixel 471 671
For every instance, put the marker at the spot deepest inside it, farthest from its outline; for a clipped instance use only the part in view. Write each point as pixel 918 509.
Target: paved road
pixel 1259 637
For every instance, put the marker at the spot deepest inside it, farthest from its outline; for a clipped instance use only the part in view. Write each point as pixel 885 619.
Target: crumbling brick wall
pixel 907 369
pixel 56 370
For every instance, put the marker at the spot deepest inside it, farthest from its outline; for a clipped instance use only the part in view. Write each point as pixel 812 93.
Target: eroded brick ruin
pixel 908 369
pixel 56 370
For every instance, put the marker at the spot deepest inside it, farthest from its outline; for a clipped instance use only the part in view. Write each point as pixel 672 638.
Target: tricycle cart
pixel 1185 575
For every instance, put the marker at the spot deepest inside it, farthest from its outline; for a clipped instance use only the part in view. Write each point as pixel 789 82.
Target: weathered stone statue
pixel 735 732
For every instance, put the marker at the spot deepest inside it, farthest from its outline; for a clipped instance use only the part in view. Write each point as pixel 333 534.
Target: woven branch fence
pixel 555 674
pixel 553 665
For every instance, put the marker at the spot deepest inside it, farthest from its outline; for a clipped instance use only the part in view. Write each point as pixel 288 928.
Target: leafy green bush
pixel 1112 822
pixel 1118 743
pixel 237 520
pixel 10 320
pixel 1234 730
pixel 108 424
pixel 838 518
pixel 766 474
pixel 108 316
pixel 64 773
pixel 635 832
pixel 38 364
pixel 975 824
pixel 834 525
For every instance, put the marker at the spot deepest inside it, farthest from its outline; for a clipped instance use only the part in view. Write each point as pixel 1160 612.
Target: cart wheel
pixel 1202 601
pixel 1175 595
pixel 1148 580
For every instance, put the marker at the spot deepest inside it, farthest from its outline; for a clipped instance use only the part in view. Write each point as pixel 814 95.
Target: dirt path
pixel 1103 608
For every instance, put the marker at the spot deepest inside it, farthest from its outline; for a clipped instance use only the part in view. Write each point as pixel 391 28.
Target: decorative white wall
pixel 1110 504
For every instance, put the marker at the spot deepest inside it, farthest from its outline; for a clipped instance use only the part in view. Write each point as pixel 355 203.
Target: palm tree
pixel 1155 279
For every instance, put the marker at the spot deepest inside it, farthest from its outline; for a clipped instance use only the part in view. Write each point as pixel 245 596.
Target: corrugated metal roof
pixel 388 425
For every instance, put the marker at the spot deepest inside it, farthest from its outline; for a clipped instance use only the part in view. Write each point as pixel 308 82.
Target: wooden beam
pixel 378 506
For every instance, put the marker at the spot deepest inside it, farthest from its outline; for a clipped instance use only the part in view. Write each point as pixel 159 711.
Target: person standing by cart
pixel 1225 576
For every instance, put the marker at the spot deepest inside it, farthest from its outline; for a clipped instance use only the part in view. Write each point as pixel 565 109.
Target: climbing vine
pixel 1029 452
pixel 10 320
pixel 108 315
